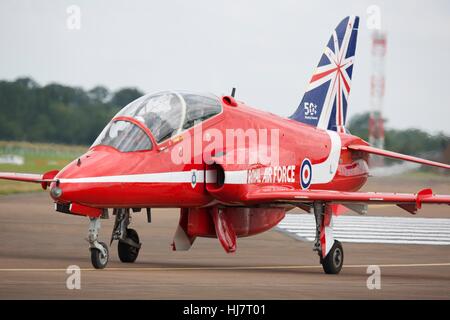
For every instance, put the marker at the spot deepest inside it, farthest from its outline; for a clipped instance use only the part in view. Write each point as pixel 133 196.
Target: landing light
pixel 56 192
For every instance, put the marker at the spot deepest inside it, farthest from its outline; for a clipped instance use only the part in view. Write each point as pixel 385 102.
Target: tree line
pixel 408 141
pixel 57 113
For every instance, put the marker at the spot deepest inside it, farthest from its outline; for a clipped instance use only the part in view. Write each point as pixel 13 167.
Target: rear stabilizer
pixel 396 155
pixel 324 103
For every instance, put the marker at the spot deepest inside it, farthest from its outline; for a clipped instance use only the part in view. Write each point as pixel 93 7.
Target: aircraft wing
pixel 408 201
pixel 44 179
pixel 396 155
pixel 25 177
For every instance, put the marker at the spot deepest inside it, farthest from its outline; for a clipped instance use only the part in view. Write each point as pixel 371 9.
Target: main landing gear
pixel 128 246
pixel 330 251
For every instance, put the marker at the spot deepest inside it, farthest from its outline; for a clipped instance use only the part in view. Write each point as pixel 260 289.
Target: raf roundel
pixel 305 173
pixel 193 178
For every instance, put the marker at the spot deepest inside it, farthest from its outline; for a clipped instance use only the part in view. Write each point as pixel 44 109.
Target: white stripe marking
pixel 356 229
pixel 236 177
pixel 169 177
pixel 380 228
pixel 325 171
pixel 375 236
pixel 377 233
pixel 231 177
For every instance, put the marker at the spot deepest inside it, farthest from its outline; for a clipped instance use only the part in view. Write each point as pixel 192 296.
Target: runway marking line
pixel 445 264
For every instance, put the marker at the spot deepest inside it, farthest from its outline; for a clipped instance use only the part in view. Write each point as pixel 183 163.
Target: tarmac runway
pixel 39 244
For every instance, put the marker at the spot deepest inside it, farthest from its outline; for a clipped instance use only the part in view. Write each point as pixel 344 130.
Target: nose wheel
pixel 100 257
pixel 99 250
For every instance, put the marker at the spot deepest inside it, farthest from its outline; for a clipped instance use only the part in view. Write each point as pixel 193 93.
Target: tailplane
pixel 324 103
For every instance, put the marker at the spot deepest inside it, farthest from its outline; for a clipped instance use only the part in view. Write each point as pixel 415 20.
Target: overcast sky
pixel 267 49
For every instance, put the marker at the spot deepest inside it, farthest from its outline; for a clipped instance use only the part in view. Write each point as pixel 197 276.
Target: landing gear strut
pixel 129 245
pixel 99 250
pixel 330 251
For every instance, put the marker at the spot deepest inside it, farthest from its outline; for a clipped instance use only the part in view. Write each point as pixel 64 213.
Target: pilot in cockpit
pixel 163 116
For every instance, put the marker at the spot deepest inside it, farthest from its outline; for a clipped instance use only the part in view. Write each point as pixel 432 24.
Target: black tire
pixel 333 262
pixel 128 253
pixel 99 261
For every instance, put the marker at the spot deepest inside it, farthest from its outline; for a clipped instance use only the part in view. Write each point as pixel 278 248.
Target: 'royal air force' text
pixel 276 174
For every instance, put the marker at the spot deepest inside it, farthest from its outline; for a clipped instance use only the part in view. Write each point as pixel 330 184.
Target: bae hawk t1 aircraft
pixel 320 167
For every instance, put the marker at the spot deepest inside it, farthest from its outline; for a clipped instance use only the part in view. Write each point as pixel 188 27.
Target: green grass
pixel 39 158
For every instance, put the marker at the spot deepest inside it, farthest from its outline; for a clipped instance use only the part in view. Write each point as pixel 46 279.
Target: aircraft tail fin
pixel 324 103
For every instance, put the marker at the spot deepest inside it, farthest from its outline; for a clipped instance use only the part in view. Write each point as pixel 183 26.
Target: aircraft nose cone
pixel 66 187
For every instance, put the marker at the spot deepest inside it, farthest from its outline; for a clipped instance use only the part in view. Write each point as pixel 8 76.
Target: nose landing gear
pixel 99 250
pixel 99 257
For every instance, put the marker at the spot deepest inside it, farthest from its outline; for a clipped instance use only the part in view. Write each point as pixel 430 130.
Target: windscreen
pixel 124 136
pixel 162 113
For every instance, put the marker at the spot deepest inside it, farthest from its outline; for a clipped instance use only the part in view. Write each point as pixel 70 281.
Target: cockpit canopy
pixel 165 114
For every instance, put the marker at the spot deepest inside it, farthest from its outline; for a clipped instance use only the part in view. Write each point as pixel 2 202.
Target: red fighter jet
pixel 167 150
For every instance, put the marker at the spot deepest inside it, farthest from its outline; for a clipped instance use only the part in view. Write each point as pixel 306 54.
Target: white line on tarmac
pixel 398 265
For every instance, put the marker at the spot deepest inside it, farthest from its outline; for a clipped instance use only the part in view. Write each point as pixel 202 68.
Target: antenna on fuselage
pixel 233 92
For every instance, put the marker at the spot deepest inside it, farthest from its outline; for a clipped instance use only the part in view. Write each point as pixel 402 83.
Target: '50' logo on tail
pixel 310 110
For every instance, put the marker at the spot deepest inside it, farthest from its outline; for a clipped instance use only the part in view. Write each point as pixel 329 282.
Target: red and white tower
pixel 377 84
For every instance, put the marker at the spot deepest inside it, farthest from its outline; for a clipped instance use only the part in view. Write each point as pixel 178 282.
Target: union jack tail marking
pixel 324 103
